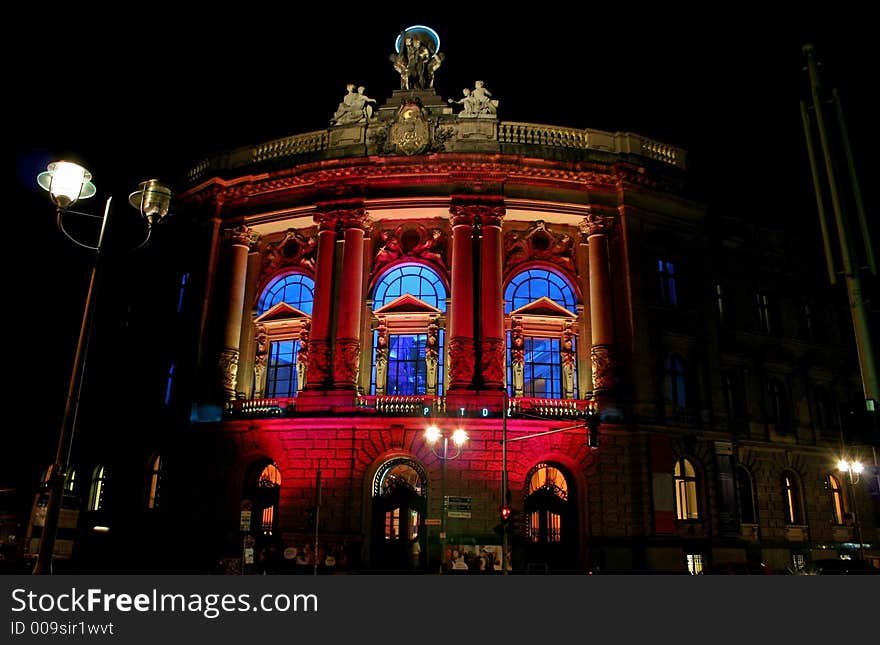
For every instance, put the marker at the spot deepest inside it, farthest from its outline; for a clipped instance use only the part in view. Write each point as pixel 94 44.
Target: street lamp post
pixel 67 183
pixel 853 470
pixel 432 435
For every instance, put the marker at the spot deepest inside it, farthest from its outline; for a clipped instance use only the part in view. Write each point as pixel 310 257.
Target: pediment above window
pixel 407 304
pixel 281 312
pixel 543 307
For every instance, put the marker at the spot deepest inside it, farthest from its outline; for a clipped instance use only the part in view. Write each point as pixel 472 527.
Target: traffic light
pixel 505 513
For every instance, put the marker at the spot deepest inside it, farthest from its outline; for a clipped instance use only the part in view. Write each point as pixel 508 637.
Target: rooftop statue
pixel 417 57
pixel 355 107
pixel 477 103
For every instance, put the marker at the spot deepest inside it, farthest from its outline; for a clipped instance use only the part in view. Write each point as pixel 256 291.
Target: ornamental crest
pixel 410 132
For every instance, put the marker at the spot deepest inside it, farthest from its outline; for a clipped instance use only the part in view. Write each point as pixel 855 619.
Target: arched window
pixel 99 489
pixel 295 289
pixel 71 483
pixel 792 498
pixel 777 404
pixel 269 485
pixel 529 285
pixel 676 381
pixel 414 279
pixel 155 480
pixel 542 341
pixel 280 333
pixel 824 414
pixel 746 496
pixel 838 501
pixel 685 479
pixel 408 342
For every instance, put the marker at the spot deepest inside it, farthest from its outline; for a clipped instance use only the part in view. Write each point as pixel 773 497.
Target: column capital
pixel 597 222
pixel 470 210
pixel 241 235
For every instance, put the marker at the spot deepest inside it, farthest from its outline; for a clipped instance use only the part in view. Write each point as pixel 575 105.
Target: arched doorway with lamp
pixel 550 519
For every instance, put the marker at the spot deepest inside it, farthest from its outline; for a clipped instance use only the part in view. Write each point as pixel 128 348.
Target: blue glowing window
pixel 528 286
pixel 676 384
pixel 295 289
pixel 413 279
pixel 281 377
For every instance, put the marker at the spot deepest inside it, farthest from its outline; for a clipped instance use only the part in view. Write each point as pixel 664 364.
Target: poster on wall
pixel 473 558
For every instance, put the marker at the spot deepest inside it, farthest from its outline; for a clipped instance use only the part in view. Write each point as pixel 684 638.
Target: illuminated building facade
pixel 423 264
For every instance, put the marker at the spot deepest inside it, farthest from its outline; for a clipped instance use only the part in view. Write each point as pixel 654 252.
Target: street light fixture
pixel 433 434
pixel 67 183
pixel 854 469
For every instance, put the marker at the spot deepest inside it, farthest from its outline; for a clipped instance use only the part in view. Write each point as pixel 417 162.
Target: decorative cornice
pixel 435 168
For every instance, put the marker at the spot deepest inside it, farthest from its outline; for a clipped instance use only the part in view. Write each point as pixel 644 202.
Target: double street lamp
pixel 67 183
pixel 853 470
pixel 433 435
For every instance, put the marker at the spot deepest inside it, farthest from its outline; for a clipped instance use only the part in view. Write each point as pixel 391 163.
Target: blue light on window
pixel 528 286
pixel 281 378
pixel 413 279
pixel 295 289
pixel 407 368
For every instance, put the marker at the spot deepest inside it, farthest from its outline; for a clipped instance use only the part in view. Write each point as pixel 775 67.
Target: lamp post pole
pixel 853 470
pixel 459 437
pixel 67 183
pixel 43 565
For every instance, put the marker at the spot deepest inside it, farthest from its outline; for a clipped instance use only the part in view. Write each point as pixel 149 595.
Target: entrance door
pixel 398 512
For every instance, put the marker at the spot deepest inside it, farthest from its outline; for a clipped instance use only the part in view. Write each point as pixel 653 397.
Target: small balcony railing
pixel 551 408
pixel 416 405
pixel 260 408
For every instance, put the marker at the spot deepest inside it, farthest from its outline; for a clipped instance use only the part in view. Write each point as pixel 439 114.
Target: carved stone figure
pixel 302 356
pixel 603 367
pixel 262 353
pixel 228 365
pixel 477 103
pixel 517 357
pixel 432 358
pixel 355 107
pixel 417 60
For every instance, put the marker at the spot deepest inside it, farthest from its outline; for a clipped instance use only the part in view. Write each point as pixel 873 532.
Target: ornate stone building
pixel 423 264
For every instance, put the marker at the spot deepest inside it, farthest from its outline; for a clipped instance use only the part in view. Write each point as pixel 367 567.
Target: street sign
pixel 432 521
pixel 458 507
pixel 245 521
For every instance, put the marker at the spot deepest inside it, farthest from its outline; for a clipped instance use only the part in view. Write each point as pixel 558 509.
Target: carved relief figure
pixel 302 356
pixel 517 356
pixel 432 357
pixel 294 249
pixel 539 243
pixel 411 242
pixel 262 353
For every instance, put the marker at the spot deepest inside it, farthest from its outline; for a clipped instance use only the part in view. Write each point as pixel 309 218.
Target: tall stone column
pixel 461 321
pixel 318 372
pixel 354 223
pixel 597 228
pixel 240 240
pixel 491 297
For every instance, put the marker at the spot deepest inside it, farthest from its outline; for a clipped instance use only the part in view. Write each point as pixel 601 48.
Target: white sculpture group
pixel 477 103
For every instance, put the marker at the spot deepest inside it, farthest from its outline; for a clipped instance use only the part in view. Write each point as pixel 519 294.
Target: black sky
pixel 151 98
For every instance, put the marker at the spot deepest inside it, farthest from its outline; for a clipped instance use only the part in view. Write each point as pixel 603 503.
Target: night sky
pixel 723 81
